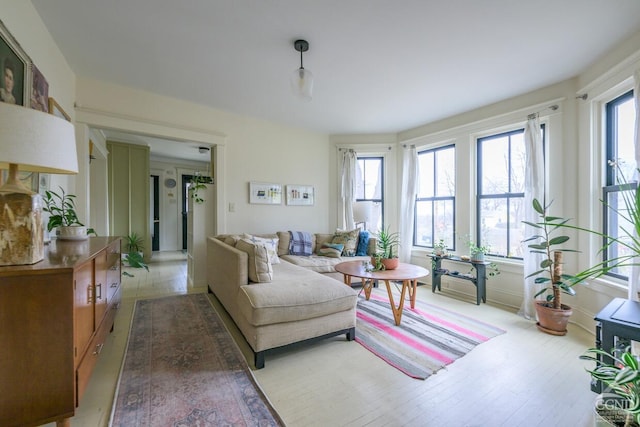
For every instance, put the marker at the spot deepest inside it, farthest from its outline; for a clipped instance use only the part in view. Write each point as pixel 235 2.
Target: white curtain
pixel 533 189
pixel 348 187
pixel 408 201
pixel 634 278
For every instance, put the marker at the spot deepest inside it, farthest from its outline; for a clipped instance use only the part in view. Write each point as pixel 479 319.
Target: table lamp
pixel 362 211
pixel 30 141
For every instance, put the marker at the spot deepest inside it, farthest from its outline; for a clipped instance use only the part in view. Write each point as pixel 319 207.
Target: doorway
pixel 155 210
pixel 186 179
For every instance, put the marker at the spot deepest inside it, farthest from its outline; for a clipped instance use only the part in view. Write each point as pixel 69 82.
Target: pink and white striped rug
pixel 428 338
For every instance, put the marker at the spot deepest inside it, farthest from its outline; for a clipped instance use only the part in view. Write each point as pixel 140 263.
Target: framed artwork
pixel 300 195
pixel 265 193
pixel 15 83
pixel 39 90
pixel 56 110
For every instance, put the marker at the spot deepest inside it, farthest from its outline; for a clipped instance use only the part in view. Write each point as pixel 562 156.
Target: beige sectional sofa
pixel 300 300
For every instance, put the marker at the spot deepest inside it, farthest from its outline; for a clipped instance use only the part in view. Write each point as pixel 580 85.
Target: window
pixel 500 207
pixel 369 191
pixel 436 198
pixel 620 124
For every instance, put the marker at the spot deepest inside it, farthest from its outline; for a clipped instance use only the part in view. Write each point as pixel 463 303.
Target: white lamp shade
pixel 302 83
pixel 36 141
pixel 362 211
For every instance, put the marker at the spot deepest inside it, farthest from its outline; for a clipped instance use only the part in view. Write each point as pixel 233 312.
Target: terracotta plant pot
pixel 553 321
pixel 390 263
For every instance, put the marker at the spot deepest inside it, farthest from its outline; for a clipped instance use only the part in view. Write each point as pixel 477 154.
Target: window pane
pixel 373 179
pixel 443 212
pixel 424 222
pixel 617 224
pixel 446 172
pixel 518 162
pixel 493 229
pixel 495 165
pixel 625 114
pixel 516 228
pixel 425 166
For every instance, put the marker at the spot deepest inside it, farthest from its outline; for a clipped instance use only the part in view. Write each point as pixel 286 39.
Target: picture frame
pixel 300 195
pixel 39 90
pixel 265 193
pixel 56 110
pixel 14 61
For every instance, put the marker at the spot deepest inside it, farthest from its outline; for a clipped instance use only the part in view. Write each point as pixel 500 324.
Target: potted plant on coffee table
pixel 386 256
pixel 62 215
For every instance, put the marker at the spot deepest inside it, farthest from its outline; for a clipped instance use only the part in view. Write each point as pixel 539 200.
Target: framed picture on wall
pixel 15 83
pixel 39 90
pixel 300 195
pixel 265 193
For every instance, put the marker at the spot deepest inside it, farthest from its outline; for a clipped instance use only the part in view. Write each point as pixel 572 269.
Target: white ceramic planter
pixel 74 232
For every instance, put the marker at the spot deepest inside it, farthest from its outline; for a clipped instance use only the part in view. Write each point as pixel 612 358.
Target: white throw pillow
pixel 270 242
pixel 260 270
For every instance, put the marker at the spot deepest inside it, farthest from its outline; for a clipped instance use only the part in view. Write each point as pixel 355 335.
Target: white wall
pixel 254 150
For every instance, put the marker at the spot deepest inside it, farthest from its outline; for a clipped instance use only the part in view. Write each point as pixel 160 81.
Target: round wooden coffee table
pixel 407 273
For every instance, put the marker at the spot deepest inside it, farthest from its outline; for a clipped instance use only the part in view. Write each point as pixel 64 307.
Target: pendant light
pixel 301 79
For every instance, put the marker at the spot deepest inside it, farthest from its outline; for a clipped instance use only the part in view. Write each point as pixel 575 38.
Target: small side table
pixel 480 280
pixel 619 320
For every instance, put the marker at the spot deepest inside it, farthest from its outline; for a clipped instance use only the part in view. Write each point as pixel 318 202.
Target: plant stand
pixel 619 320
pixel 480 281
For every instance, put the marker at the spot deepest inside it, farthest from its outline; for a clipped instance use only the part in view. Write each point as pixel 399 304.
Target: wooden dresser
pixel 54 318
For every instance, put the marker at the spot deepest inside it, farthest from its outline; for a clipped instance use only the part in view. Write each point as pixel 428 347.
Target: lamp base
pixel 21 233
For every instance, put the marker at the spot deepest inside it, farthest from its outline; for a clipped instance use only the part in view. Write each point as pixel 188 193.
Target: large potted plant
pixel 386 256
pixel 619 404
pixel 62 215
pixel 553 315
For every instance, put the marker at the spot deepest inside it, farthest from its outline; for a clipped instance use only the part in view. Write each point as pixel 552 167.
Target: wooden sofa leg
pixel 259 359
pixel 351 334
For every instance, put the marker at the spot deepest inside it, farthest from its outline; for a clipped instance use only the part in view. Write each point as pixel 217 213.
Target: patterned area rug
pixel 428 338
pixel 182 368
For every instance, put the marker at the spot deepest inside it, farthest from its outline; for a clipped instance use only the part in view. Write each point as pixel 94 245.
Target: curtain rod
pixel 553 107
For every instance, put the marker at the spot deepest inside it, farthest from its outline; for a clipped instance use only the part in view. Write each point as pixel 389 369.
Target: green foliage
pixel 62 210
pixel 546 245
pixel 621 375
pixel 134 242
pixel 135 260
pixel 387 243
pixel 197 183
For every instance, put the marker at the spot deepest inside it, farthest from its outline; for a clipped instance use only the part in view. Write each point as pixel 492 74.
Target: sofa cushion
pixel 271 242
pixel 260 270
pixel 295 294
pixel 349 239
pixel 363 243
pixel 332 250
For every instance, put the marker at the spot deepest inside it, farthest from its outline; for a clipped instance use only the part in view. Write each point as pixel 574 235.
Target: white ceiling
pixel 380 65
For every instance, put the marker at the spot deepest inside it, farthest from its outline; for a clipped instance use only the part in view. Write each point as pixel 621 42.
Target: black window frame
pixel 434 199
pixel 365 157
pixel 612 185
pixel 509 195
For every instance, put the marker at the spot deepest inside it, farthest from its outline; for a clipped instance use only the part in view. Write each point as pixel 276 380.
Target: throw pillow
pixel 349 239
pixel 270 242
pixel 301 243
pixel 363 243
pixel 260 270
pixel 331 250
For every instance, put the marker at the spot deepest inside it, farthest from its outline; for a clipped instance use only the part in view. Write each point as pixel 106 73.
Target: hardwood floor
pixel 521 378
